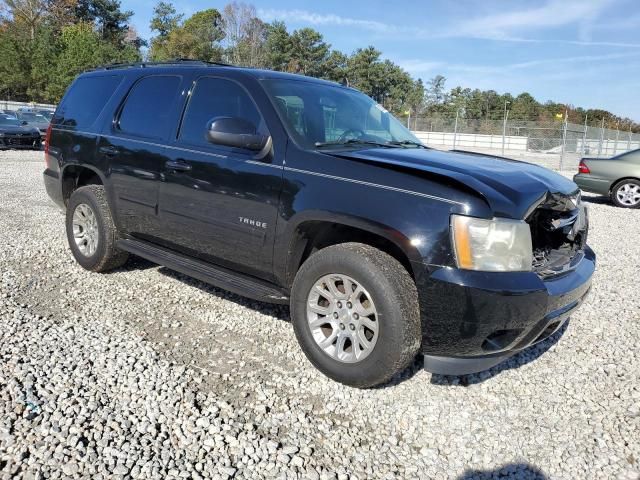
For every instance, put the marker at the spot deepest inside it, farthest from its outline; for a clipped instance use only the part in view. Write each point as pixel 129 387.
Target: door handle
pixel 109 151
pixel 178 166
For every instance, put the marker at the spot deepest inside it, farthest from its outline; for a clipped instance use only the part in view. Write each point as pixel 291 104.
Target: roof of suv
pixel 207 66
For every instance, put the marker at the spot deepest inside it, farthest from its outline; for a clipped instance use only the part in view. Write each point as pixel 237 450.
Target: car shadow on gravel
pixel 598 200
pixel 524 471
pixel 133 264
pixel 521 358
pixel 280 312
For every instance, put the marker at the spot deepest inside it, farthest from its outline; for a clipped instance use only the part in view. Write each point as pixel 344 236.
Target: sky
pixel 581 52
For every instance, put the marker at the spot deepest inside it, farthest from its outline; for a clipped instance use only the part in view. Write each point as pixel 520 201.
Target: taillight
pixel 47 139
pixel 582 168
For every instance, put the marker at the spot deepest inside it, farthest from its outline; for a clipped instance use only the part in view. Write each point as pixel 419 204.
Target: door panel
pixel 220 206
pixel 135 170
pixel 135 150
pixel 223 210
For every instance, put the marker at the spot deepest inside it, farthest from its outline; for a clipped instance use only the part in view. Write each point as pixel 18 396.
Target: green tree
pixel 364 72
pixel 82 48
pixel 334 67
pixel 165 19
pixel 197 38
pixel 435 93
pixel 44 52
pixel 277 47
pixel 15 61
pixel 307 52
pixel 525 107
pixel 106 15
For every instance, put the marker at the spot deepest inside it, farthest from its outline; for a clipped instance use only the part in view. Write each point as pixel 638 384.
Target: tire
pixel 100 255
pixel 395 334
pixel 630 187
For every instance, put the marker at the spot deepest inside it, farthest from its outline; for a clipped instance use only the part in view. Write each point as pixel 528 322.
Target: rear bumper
pixel 53 186
pixel 475 320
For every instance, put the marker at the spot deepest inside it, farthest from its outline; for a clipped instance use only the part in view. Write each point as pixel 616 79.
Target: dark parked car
pixel 617 177
pixel 35 120
pixel 16 134
pixel 9 113
pixel 299 191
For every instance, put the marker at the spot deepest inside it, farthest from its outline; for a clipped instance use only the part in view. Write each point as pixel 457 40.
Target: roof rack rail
pixel 177 61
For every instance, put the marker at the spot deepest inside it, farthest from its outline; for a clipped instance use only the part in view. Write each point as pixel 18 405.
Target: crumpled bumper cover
pixel 474 320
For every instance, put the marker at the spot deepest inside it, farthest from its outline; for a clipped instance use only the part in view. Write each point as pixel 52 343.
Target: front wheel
pixel 626 193
pixel 355 314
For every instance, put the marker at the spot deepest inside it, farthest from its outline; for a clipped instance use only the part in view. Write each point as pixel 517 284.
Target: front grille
pixel 559 228
pixel 19 140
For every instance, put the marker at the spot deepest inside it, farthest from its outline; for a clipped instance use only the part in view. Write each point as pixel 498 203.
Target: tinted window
pixel 211 98
pixel 317 113
pixel 10 121
pixel 85 100
pixel 147 110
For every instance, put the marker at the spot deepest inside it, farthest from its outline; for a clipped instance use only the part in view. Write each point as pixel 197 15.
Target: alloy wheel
pixel 629 194
pixel 342 318
pixel 85 229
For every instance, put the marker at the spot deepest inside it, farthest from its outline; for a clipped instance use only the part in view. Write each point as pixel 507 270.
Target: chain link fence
pixel 13 106
pixel 554 144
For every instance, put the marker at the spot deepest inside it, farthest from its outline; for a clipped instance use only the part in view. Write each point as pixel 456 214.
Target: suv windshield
pixel 325 116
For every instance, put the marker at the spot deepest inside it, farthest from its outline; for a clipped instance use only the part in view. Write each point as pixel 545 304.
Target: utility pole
pixel 455 129
pixel 601 138
pixel 504 125
pixel 564 138
pixel 584 136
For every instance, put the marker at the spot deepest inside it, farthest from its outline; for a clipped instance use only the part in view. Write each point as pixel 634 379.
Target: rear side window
pixel 147 109
pixel 215 97
pixel 85 100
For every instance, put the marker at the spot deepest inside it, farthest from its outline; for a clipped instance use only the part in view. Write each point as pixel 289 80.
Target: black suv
pixel 293 190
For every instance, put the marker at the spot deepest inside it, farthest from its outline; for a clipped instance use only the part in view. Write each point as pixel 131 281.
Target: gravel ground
pixel 145 373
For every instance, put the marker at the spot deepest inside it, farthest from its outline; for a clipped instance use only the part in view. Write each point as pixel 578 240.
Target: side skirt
pixel 217 276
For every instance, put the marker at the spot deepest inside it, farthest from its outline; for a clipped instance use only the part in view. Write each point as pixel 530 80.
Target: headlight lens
pixel 497 245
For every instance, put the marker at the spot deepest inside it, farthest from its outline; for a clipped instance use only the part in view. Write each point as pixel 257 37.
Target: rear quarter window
pixel 147 110
pixel 85 100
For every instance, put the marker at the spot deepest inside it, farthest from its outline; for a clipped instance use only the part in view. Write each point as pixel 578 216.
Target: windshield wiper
pixel 407 143
pixel 352 141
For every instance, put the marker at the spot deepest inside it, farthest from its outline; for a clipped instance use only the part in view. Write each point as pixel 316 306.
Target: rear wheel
pixel 626 193
pixel 91 232
pixel 355 314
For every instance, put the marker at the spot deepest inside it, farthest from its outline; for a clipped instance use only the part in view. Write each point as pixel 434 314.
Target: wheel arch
pixel 74 176
pixel 615 183
pixel 314 231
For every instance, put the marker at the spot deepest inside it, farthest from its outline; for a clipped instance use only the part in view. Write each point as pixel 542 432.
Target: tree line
pixel 46 43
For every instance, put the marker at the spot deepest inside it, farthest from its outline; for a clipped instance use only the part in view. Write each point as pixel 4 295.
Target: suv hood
pixel 18 129
pixel 511 188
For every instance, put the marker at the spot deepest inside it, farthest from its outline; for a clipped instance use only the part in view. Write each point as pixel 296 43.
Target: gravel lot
pixel 145 373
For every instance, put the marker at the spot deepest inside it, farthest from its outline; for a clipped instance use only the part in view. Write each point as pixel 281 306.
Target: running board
pixel 218 276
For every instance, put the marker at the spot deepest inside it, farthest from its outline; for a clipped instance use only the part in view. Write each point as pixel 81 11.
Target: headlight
pixel 497 245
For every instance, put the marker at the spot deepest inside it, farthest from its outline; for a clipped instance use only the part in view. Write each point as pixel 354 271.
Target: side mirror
pixel 24 122
pixel 235 132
